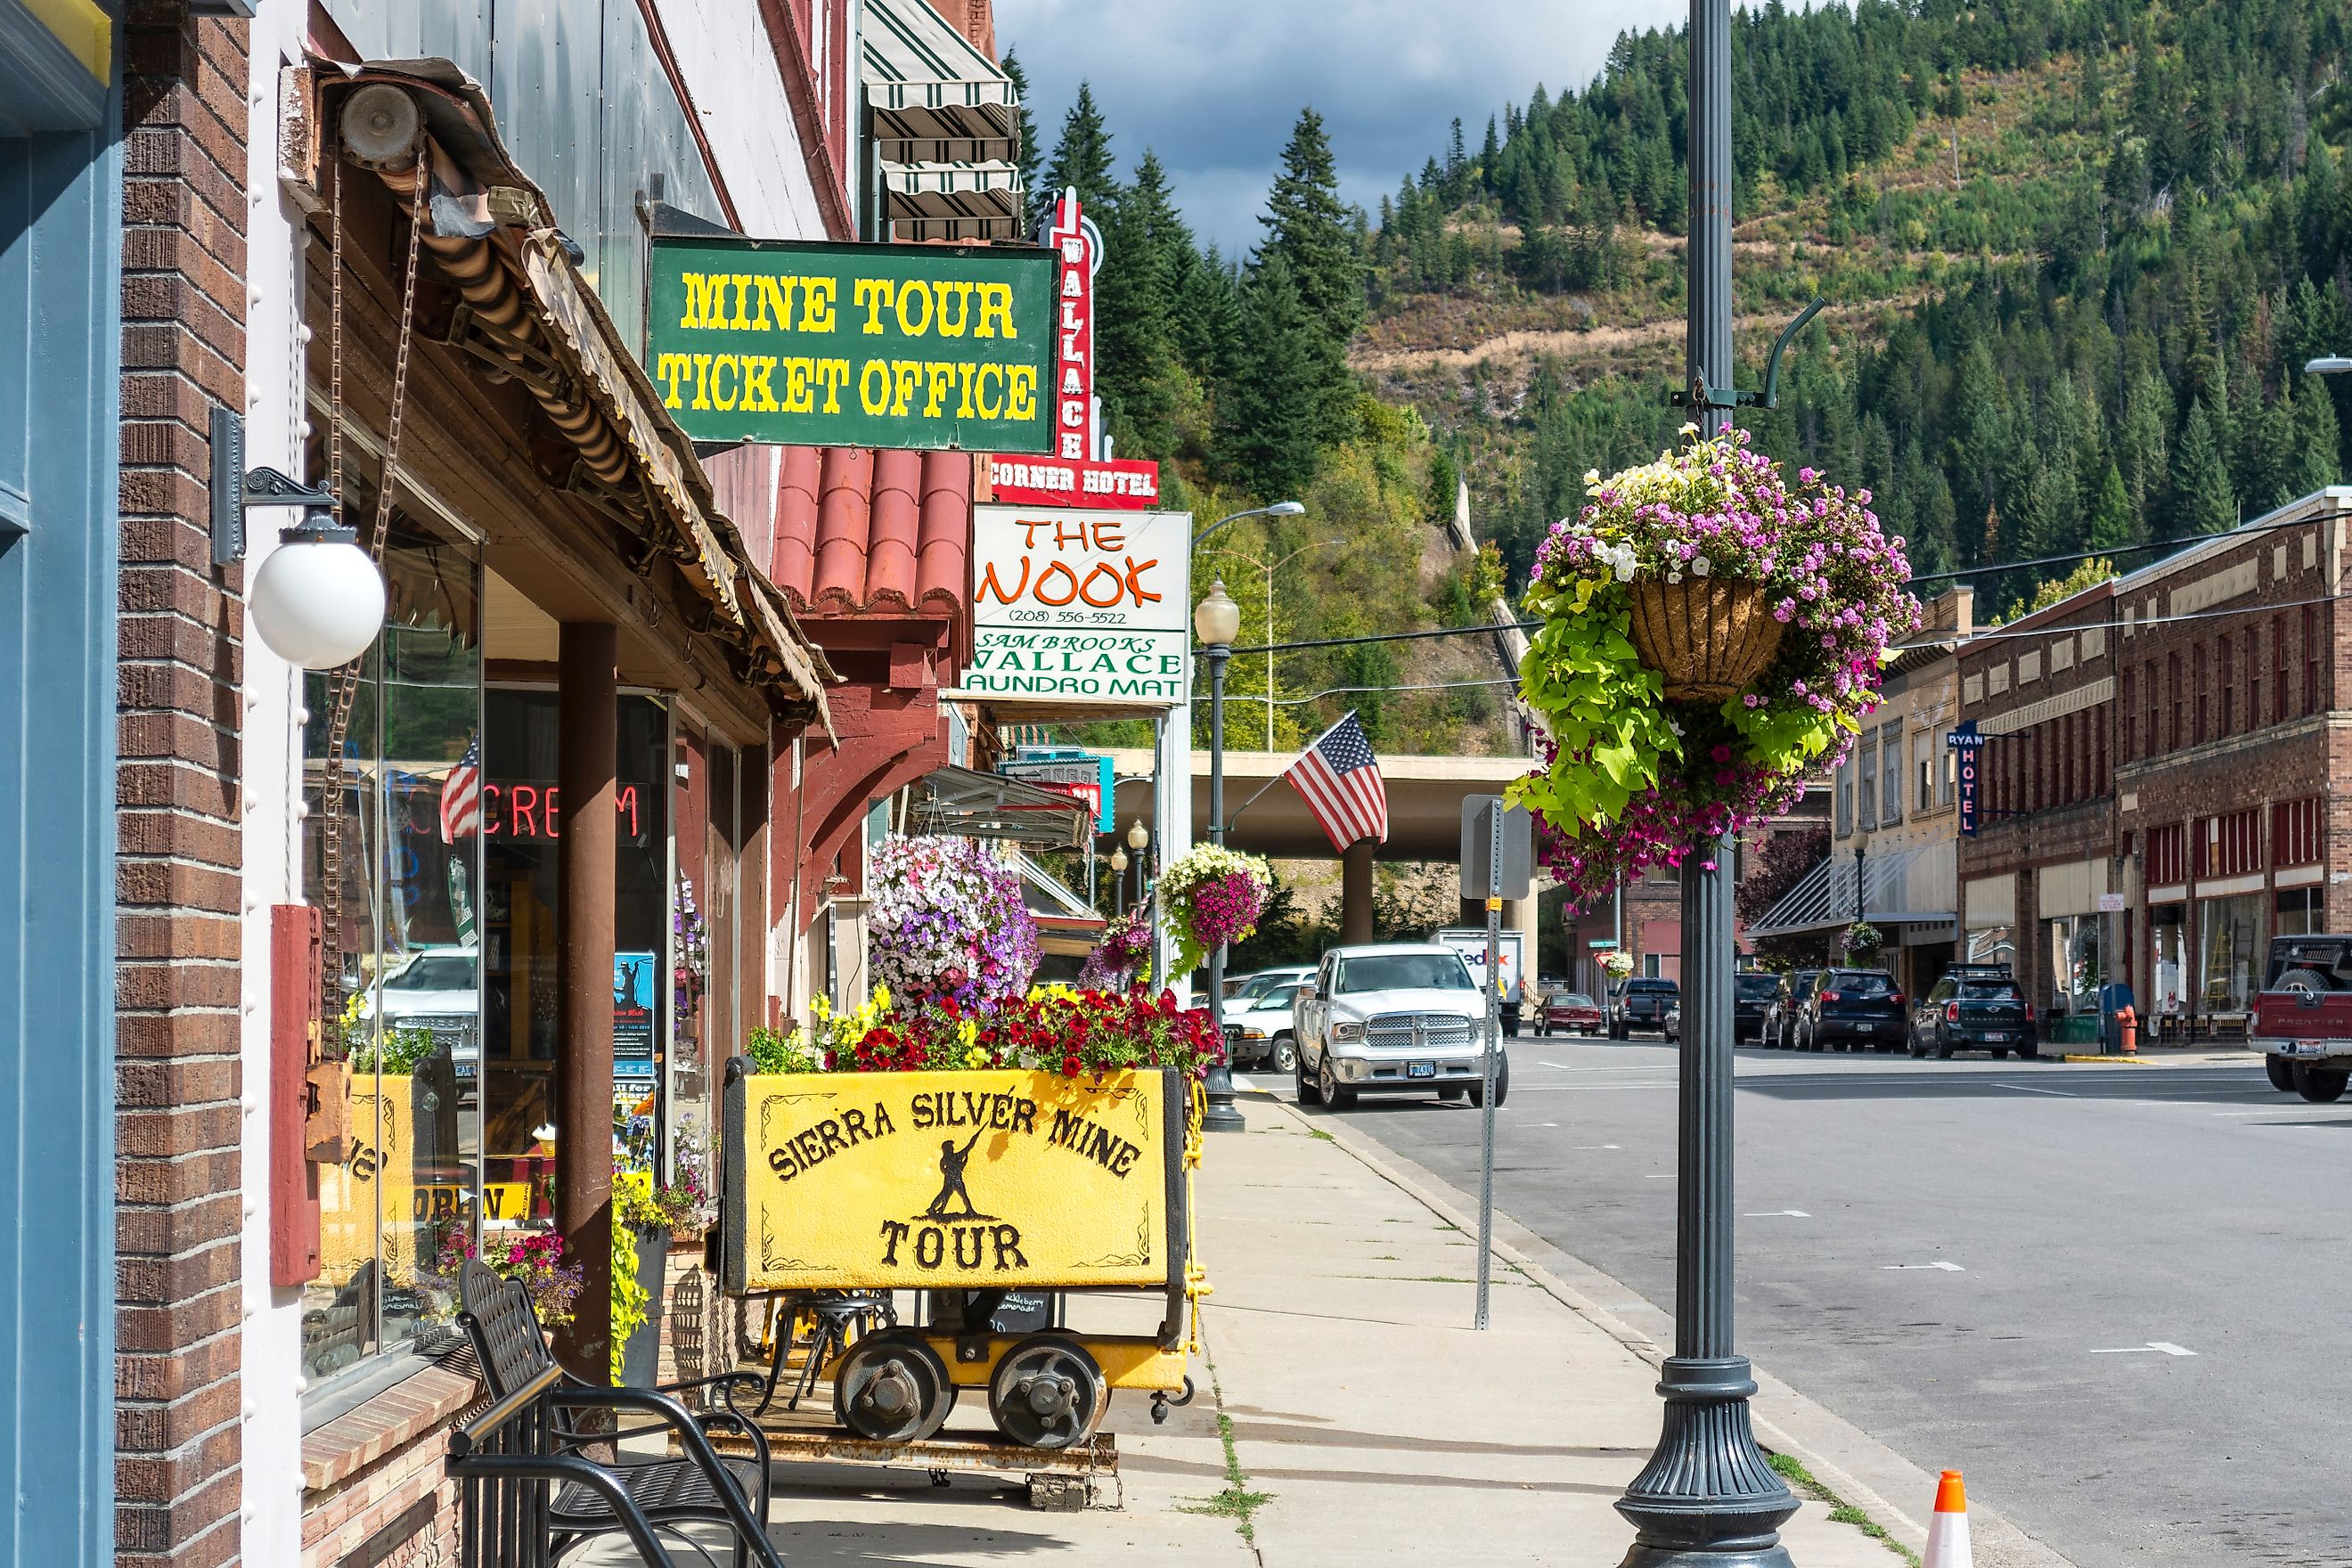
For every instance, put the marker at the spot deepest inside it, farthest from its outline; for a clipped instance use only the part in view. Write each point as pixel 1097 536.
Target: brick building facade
pixel 178 974
pixel 2157 801
pixel 2042 690
pixel 2228 737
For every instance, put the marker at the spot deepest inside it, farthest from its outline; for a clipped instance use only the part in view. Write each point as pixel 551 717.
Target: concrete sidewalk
pixel 1366 1420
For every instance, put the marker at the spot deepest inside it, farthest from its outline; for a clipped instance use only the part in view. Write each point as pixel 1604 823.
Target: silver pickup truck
pixel 1400 1018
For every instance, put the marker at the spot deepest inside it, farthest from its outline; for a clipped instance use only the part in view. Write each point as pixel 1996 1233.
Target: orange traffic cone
pixel 1947 1536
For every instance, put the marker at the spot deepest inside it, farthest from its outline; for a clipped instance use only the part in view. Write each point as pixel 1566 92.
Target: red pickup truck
pixel 2302 1019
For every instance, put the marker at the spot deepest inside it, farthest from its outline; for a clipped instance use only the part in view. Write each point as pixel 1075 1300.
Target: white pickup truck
pixel 1398 1018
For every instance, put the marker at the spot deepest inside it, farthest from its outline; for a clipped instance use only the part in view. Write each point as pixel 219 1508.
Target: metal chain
pixel 331 775
pixel 347 678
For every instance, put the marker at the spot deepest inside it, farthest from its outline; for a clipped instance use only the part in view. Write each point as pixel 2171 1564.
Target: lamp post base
pixel 1707 1499
pixel 1220 1116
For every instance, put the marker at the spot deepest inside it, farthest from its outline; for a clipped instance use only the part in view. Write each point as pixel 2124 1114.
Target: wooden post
pixel 586 747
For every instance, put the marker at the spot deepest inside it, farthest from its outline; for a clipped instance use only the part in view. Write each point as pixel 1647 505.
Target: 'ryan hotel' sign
pixel 854 345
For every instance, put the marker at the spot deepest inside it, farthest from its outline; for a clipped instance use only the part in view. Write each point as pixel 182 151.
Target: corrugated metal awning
pixel 1899 886
pixel 988 806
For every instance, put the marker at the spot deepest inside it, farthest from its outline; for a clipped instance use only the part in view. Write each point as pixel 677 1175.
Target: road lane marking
pixel 1940 1263
pixel 2162 1347
pixel 2036 1089
pixel 1659 1176
pixel 1777 1213
pixel 1585 1148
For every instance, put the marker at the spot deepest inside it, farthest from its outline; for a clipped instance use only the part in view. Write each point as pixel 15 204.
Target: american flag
pixel 461 794
pixel 1340 782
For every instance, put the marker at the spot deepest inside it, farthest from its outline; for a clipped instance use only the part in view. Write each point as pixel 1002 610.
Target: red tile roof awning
pixel 852 531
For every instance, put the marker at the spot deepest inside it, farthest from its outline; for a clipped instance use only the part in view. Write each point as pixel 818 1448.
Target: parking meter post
pixel 1494 878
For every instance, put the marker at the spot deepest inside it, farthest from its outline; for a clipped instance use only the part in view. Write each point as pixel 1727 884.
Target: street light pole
pixel 1217 620
pixel 1707 1499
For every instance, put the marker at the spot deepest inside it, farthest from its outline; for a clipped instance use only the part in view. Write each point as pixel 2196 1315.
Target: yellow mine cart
pixel 969 1185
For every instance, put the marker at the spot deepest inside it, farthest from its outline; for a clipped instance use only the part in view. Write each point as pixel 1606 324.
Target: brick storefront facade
pixel 2226 747
pixel 180 1306
pixel 2043 690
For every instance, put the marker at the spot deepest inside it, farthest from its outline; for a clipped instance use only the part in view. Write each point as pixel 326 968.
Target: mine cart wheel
pixel 893 1388
pixel 1047 1393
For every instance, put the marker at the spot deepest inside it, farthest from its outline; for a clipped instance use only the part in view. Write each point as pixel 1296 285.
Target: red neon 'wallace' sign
pixel 1077 474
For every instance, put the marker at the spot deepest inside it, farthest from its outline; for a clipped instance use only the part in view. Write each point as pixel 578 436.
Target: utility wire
pixel 1489 627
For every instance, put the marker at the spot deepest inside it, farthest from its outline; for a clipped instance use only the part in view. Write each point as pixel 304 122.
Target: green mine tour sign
pixel 855 346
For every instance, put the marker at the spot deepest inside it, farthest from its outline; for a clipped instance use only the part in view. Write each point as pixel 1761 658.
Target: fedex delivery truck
pixel 1470 941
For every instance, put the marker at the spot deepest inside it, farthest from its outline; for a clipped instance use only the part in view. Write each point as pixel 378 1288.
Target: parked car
pixel 1395 1019
pixel 436 989
pixel 1259 1029
pixel 1973 1008
pixel 1850 1009
pixel 1569 1013
pixel 2303 1016
pixel 1788 999
pixel 1751 999
pixel 1640 1003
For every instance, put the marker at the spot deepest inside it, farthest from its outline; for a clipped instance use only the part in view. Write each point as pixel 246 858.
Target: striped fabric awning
pixel 926 82
pixel 953 201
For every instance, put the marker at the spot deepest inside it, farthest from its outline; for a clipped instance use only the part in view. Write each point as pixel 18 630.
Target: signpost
pixel 1497 863
pixel 1080 606
pixel 820 344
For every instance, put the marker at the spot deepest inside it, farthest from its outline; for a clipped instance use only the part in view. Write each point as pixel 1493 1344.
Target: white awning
pixel 1900 886
pixel 926 82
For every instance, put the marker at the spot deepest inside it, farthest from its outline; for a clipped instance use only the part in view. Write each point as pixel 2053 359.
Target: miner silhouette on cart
pixel 952 1161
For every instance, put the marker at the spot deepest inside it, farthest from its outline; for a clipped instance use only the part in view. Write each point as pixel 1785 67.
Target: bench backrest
pixel 499 1319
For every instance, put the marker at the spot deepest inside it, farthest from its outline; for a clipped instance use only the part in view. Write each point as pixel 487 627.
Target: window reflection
pixel 401 904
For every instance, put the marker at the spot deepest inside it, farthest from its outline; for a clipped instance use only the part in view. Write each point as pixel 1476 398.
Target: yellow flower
pixel 975 1057
pixel 823 1009
pixel 882 998
pixel 968 1032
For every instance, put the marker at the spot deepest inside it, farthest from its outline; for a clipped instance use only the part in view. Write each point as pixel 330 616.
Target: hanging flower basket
pixel 1860 939
pixel 1713 632
pixel 1212 897
pixel 949 922
pixel 1617 965
pixel 1709 636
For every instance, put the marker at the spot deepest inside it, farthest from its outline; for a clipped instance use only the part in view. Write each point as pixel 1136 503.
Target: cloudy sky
pixel 1214 85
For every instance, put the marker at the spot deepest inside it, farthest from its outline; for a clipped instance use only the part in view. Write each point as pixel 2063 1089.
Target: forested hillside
pixel 1233 372
pixel 2076 252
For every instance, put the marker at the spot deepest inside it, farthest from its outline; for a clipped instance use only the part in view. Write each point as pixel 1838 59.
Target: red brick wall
pixel 179 1221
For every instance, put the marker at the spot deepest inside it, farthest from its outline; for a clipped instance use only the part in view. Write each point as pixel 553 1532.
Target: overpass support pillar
pixel 1356 892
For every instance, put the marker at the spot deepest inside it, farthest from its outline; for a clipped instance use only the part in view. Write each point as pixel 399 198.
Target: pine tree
pixel 1269 437
pixel 1489 156
pixel 2313 462
pixel 2204 499
pixel 1135 317
pixel 1024 135
pixel 2114 523
pixel 1209 323
pixel 1308 225
pixel 1081 157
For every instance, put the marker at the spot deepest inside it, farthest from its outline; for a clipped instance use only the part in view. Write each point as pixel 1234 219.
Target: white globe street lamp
pixel 317 601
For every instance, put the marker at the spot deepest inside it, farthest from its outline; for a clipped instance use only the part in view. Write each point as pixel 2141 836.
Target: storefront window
pixel 522 820
pixel 2169 956
pixel 2230 929
pixel 2076 969
pixel 2301 910
pixel 406 985
pixel 1992 944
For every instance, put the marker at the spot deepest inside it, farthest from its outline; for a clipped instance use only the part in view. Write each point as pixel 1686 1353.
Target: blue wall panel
pixel 60 292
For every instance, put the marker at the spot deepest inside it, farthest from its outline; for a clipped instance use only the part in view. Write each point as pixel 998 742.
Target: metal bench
pixel 529 1492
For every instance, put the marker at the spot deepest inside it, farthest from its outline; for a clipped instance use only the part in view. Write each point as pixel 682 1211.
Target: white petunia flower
pixel 1699 566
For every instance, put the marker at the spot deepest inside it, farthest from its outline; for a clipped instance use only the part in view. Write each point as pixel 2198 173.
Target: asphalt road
pixel 2112 1295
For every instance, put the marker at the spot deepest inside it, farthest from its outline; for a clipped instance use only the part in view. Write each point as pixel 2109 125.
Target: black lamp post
pixel 1707 1499
pixel 1217 620
pixel 1118 880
